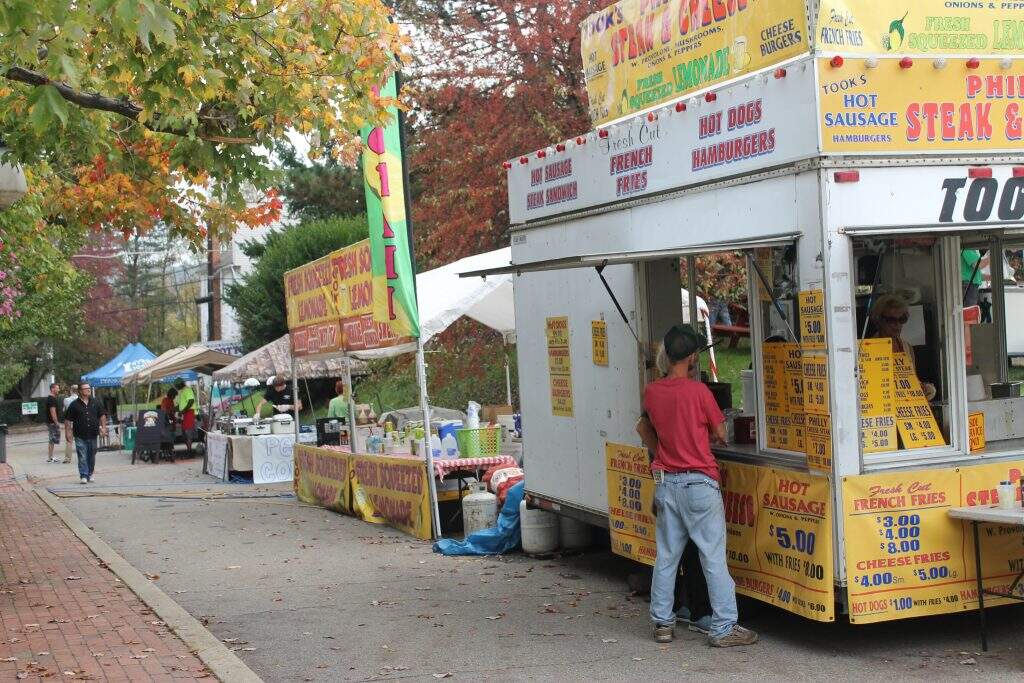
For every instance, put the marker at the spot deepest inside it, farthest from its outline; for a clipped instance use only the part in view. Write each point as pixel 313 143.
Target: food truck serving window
pixel 902 290
pixel 993 291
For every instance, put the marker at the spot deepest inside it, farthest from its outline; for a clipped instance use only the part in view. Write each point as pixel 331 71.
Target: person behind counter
pixel 185 402
pixel 680 419
pixel 338 406
pixel 889 314
pixel 280 398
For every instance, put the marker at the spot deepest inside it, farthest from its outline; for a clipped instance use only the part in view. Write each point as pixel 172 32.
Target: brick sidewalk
pixel 66 617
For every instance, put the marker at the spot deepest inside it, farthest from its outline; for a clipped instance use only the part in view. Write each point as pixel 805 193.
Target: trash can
pixel 129 438
pixel 3 443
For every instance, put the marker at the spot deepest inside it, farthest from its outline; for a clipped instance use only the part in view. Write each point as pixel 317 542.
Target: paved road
pixel 306 594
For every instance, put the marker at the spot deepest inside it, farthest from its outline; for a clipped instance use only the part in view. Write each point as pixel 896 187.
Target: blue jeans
pixel 86 449
pixel 690 507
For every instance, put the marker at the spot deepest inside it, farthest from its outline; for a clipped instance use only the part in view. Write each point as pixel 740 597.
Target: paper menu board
pixel 559 365
pixel 599 342
pixel 811 304
pixel 914 418
pixel 783 396
pixel 877 422
pixel 815 384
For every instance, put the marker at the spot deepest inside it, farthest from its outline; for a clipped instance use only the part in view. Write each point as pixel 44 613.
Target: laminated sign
pixel 630 502
pixel 905 557
pixel 559 365
pixel 638 54
pixel 877 422
pixel 783 396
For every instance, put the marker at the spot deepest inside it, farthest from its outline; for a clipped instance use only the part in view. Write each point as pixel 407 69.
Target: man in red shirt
pixel 679 422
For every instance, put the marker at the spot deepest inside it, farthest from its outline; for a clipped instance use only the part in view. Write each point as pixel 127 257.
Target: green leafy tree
pixel 322 189
pixel 258 299
pixel 40 290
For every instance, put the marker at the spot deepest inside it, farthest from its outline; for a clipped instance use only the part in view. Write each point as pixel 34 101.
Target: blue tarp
pixel 496 540
pixel 132 357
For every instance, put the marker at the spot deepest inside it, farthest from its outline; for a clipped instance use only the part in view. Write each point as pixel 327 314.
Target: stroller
pixel 154 438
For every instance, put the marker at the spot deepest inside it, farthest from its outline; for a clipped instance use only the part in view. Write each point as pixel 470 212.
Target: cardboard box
pixel 489 414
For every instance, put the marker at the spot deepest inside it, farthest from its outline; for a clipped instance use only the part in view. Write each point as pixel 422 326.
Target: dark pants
pixel 86 457
pixel 692 587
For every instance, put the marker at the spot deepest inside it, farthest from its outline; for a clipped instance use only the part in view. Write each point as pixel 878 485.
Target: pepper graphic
pixel 897 27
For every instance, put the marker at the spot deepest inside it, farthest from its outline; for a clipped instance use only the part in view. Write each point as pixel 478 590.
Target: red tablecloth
pixel 444 467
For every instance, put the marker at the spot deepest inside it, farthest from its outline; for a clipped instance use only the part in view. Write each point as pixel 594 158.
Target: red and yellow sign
pixel 330 304
pixel 905 557
pixel 637 53
pixel 779 550
pixel 778 528
pixel 630 502
pixel 921 109
pixel 920 27
pixel 976 431
pixel 392 491
pixel 321 477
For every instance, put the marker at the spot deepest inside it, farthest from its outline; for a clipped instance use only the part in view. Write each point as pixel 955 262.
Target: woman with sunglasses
pixel 889 314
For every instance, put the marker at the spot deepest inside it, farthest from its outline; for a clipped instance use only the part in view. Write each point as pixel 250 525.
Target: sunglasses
pixel 901 320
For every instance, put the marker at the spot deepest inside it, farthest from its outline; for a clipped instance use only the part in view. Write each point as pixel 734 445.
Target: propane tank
pixel 539 529
pixel 479 509
pixel 573 534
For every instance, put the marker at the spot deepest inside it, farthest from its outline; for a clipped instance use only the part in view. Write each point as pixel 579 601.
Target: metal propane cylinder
pixel 479 509
pixel 539 530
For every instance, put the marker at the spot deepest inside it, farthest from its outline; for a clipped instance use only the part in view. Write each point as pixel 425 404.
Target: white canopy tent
pixel 196 357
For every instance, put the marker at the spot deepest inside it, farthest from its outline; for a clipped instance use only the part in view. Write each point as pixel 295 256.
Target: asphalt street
pixel 304 594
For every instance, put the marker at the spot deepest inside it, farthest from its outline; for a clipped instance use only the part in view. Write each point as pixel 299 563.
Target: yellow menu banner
pixel 818 442
pixel 920 27
pixel 321 477
pixel 310 294
pixel 779 531
pixel 915 421
pixel 599 341
pixel 630 502
pixel 921 109
pixel 638 53
pixel 905 557
pixel 783 396
pixel 815 384
pixel 877 421
pixel 392 491
pixel 811 304
pixel 559 365
pixel 778 522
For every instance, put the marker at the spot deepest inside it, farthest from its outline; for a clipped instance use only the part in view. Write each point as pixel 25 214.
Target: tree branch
pixel 125 108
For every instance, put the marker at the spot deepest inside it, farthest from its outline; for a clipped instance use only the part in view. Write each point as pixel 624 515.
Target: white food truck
pixel 846 182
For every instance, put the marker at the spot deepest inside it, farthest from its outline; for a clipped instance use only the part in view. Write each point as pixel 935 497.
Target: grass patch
pixel 730 362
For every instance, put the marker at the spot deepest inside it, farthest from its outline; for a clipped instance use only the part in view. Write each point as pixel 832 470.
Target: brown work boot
pixel 734 638
pixel 664 634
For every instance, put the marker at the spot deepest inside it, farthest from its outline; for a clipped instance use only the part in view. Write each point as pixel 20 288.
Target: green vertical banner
pixel 394 284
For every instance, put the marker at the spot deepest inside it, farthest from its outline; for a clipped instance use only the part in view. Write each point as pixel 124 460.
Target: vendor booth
pixel 860 183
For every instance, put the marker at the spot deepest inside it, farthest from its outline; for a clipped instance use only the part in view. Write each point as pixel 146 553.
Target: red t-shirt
pixel 683 413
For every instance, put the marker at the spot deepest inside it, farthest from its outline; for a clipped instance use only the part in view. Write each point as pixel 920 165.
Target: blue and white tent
pixel 131 358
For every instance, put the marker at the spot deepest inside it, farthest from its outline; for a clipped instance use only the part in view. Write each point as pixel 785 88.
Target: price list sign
pixel 815 384
pixel 559 365
pixel 812 319
pixel 599 342
pixel 914 418
pixel 780 538
pixel 905 557
pixel 630 502
pixel 877 422
pixel 783 396
pixel 818 441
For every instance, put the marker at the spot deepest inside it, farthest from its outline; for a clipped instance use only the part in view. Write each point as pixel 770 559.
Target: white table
pixel 987 514
pixel 268 456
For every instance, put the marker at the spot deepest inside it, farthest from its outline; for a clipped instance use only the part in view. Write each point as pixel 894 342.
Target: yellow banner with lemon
pixel 641 53
pixel 920 27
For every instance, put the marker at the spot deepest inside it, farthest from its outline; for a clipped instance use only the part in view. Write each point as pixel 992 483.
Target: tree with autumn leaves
pixel 179 101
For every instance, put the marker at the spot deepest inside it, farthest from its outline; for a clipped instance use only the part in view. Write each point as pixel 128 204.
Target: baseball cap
pixel 682 341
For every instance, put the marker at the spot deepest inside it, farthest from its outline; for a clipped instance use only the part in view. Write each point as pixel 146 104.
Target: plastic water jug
pixel 539 529
pixel 473 415
pixel 449 446
pixel 435 447
pixel 479 509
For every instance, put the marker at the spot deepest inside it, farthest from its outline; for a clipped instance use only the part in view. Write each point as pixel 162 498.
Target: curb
pixel 222 662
